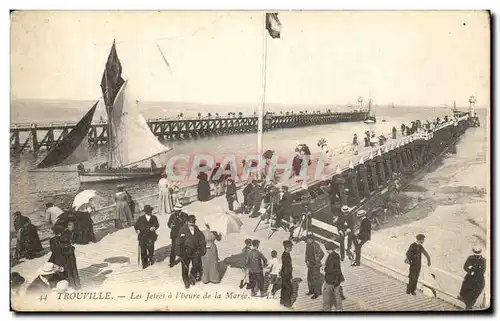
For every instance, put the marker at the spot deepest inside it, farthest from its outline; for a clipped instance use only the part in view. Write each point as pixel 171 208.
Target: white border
pixel 192 5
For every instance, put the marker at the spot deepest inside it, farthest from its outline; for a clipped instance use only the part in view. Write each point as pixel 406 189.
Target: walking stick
pixel 138 254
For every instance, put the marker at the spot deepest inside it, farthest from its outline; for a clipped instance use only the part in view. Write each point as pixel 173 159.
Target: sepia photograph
pixel 279 161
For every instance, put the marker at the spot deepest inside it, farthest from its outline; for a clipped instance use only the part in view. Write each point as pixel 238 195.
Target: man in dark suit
pixel 286 275
pixel 145 228
pixel 175 222
pixel 364 235
pixel 314 255
pixel 284 204
pixel 332 289
pixel 190 246
pixel 414 258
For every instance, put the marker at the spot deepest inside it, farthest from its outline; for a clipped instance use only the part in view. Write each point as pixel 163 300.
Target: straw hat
pixel 361 213
pixel 47 269
pixel 178 207
pixel 345 209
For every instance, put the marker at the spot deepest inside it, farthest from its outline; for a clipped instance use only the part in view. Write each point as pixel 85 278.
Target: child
pixel 273 274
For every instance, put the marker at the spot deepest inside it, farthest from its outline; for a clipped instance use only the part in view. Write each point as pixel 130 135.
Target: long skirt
pixel 165 201
pixel 123 215
pixel 203 191
pixel 28 245
pixel 471 289
pixel 209 263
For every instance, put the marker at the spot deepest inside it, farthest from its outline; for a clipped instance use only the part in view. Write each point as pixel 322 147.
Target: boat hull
pixel 119 175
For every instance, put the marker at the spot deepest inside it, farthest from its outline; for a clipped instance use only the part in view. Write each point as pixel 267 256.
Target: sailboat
pixel 370 118
pixel 130 140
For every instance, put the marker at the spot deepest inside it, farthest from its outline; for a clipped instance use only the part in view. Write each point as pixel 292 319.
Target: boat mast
pixel 261 113
pixel 110 132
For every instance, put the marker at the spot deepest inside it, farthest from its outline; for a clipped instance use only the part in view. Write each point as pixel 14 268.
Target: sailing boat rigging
pixel 130 140
pixel 370 118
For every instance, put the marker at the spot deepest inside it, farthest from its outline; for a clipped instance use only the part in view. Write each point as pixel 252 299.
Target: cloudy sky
pixel 414 58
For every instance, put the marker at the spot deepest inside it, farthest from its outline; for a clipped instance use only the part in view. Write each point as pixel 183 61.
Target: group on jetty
pixel 289 203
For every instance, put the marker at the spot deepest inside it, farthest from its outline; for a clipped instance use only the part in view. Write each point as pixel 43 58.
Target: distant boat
pixel 370 118
pixel 130 140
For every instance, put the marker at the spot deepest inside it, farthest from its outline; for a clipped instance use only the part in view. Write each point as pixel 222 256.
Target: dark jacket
pixel 286 266
pixel 144 227
pixel 414 254
pixel 344 222
pixel 175 222
pixel 255 261
pixel 285 202
pixel 333 270
pixel 190 245
pixel 314 254
pixel 38 287
pixel 231 192
pixel 365 230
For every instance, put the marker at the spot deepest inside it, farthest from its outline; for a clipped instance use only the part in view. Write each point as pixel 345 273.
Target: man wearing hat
pixel 314 255
pixel 231 193
pixel 364 235
pixel 286 275
pixel 45 280
pixel 145 228
pixel 285 201
pixel 414 258
pixel 190 246
pixel 175 222
pixel 344 223
pixel 473 283
pixel 332 289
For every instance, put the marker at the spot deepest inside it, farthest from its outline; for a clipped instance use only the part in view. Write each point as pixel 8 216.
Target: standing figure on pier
pixel 165 197
pixel 332 288
pixel 211 258
pixel 203 188
pixel 414 259
pixel 52 213
pixel 248 196
pixel 403 129
pixel 364 235
pixel 190 247
pixel 256 261
pixel 286 275
pixel 146 227
pixel 231 193
pixel 63 254
pixel 343 224
pixel 314 255
pixel 123 218
pixel 285 202
pixel 28 243
pixel 394 132
pixel 473 283
pixel 84 226
pixel 175 222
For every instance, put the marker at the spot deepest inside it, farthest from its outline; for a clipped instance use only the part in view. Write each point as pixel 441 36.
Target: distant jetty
pixel 34 137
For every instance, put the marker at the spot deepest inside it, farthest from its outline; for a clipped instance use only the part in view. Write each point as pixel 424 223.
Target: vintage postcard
pixel 250 161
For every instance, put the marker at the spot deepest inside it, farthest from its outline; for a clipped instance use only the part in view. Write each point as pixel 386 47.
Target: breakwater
pixel 33 137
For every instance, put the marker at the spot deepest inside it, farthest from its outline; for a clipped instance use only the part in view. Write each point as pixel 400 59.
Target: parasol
pixel 224 223
pixel 83 198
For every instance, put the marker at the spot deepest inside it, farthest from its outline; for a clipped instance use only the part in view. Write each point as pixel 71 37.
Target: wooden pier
pixel 45 136
pixel 360 181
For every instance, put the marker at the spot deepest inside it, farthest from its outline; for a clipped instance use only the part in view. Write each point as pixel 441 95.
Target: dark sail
pixel 73 148
pixel 112 79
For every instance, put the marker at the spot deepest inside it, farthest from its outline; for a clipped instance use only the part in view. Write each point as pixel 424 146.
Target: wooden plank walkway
pixel 111 265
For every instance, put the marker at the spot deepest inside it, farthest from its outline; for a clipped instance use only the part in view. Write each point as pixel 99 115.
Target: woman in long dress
pixel 63 254
pixel 28 242
pixel 165 197
pixel 203 188
pixel 124 216
pixel 211 257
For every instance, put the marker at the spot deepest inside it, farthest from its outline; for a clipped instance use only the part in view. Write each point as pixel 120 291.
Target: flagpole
pixel 260 134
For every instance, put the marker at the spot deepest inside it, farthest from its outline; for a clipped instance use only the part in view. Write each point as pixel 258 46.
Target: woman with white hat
pixel 123 218
pixel 473 283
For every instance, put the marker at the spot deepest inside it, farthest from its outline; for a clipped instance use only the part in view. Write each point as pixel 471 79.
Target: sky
pixel 419 58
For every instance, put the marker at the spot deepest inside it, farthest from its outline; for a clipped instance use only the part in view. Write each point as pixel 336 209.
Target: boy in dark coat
pixel 286 275
pixel 414 258
pixel 145 228
pixel 332 289
pixel 175 222
pixel 190 247
pixel 473 283
pixel 314 255
pixel 255 264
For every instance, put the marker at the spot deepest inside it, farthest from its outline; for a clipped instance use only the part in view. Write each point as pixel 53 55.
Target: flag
pixel 112 79
pixel 273 25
